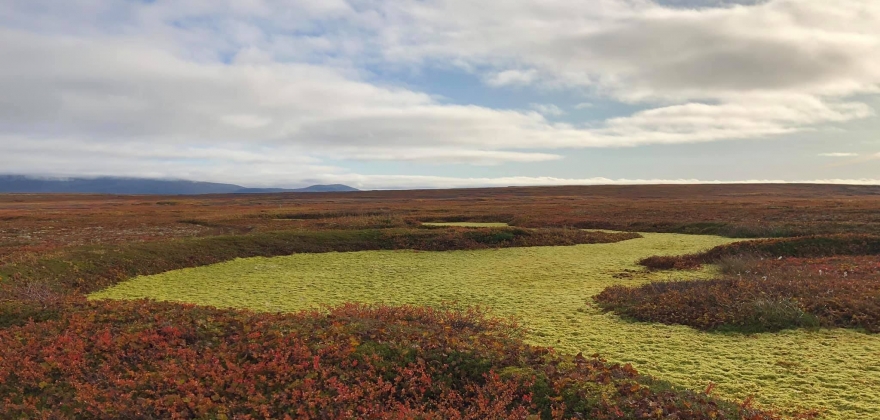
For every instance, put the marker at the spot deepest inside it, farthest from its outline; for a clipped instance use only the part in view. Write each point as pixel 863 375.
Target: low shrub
pixel 88 269
pixel 736 264
pixel 726 229
pixel 152 360
pixel 26 301
pixel 801 247
pixel 762 295
pixel 15 313
pixel 474 218
pixel 773 314
pixel 666 262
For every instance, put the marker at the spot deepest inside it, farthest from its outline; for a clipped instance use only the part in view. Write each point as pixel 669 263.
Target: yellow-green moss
pixel 549 290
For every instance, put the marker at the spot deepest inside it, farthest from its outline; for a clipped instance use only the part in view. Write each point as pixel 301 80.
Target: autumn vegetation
pixel 33 225
pixel 757 295
pixel 64 357
pixel 800 247
pixel 767 285
pixel 152 360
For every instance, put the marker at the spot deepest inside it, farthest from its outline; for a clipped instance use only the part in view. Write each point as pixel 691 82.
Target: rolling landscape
pixel 139 186
pixel 560 302
pixel 440 210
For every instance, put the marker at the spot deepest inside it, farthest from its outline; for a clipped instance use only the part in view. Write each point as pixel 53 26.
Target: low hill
pixel 114 185
pixel 313 188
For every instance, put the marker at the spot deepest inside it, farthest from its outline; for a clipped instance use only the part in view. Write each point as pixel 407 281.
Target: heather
pixel 151 360
pixel 802 247
pixel 32 225
pixel 762 294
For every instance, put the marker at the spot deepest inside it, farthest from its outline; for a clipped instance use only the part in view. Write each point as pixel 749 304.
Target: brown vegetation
pixel 87 269
pixel 36 224
pixel 801 247
pixel 62 357
pixel 152 360
pixel 762 294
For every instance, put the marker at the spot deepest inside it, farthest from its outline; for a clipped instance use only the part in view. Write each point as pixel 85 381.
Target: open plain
pixel 519 253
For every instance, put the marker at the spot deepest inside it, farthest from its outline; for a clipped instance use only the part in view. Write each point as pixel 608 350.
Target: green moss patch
pixel 548 289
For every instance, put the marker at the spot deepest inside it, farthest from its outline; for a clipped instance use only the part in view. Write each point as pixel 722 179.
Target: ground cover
pixel 55 247
pixel 33 225
pixel 153 360
pixel 762 294
pixel 548 289
pixel 814 246
pixel 467 224
pixel 89 268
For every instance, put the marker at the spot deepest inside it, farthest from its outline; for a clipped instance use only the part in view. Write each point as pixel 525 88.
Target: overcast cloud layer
pixel 287 93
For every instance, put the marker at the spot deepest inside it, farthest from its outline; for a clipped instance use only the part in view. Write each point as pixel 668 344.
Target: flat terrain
pixel 333 248
pixel 549 289
pixel 34 224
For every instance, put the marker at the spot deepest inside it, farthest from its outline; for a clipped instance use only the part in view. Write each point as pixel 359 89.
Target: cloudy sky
pixel 442 93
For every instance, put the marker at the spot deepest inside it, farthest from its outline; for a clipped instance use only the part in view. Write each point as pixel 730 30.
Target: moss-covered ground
pixel 549 289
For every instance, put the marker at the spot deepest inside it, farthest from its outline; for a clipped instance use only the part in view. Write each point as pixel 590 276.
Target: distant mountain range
pixel 113 185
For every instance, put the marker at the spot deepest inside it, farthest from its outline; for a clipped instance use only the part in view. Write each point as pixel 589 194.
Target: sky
pixel 442 93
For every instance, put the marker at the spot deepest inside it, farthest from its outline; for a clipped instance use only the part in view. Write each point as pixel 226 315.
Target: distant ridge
pixel 313 188
pixel 114 185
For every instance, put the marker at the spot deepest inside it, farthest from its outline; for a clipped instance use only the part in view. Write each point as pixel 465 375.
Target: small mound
pixel 144 359
pixel 801 247
pixel 758 295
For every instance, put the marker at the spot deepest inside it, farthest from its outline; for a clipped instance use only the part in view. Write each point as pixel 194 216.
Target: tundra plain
pixel 282 253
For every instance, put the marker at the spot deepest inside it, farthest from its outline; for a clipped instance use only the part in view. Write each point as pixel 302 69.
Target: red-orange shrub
pixel 772 294
pixel 155 360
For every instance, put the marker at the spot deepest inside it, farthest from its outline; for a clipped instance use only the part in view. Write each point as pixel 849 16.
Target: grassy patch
pixel 546 289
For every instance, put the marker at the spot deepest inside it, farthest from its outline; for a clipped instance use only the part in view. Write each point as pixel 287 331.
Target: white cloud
pixel 779 52
pixel 110 91
pixel 637 49
pixel 548 109
pixel 838 154
pixel 113 92
pixel 445 156
pixel 284 83
pixel 410 182
pixel 245 120
pixel 748 116
pixel 512 77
